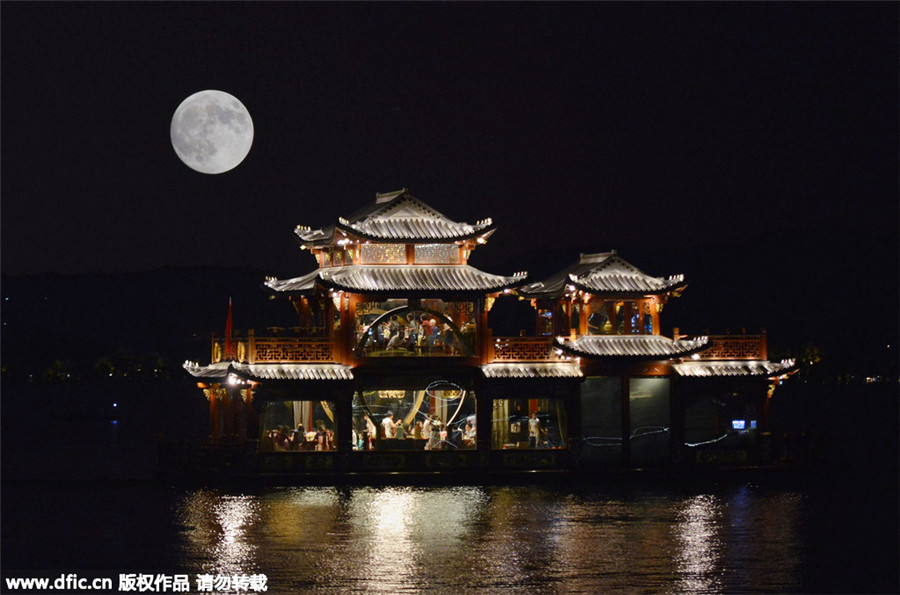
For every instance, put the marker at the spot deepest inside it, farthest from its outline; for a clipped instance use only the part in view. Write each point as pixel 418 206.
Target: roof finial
pixel 383 197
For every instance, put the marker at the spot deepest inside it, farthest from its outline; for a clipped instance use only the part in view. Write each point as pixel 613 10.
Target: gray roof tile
pixel 217 370
pixel 601 273
pixel 373 278
pixel 707 369
pixel 270 371
pixel 276 371
pixel 532 370
pixel 398 216
pixel 639 346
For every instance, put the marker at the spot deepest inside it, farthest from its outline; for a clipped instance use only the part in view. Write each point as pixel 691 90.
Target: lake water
pixel 81 500
pixel 736 538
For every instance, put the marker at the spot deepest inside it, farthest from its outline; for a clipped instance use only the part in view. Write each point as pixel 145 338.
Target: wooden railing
pixel 740 347
pixel 521 349
pixel 252 349
pixel 735 347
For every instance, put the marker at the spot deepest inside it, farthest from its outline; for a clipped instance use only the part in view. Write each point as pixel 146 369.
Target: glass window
pixel 437 254
pixel 601 419
pixel 544 321
pixel 383 253
pixel 649 402
pixel 394 328
pixel 528 424
pixel 297 425
pixel 619 318
pixel 634 320
pixel 709 420
pixel 598 319
pixel 440 416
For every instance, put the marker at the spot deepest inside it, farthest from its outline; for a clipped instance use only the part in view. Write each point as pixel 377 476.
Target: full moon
pixel 211 132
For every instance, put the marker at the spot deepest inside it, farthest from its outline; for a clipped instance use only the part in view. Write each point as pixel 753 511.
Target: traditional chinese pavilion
pixel 393 365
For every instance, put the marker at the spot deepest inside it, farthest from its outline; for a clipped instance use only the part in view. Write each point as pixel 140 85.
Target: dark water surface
pixel 518 539
pixel 78 496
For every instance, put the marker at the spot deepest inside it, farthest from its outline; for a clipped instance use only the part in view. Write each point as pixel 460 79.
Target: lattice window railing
pixel 290 350
pixel 519 349
pixel 734 347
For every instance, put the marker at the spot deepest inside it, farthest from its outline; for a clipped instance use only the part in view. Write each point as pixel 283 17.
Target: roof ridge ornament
pixel 399 216
pixel 596 257
pixel 383 197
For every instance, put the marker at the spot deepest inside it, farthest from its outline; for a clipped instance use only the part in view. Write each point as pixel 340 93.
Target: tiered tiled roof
pixel 270 371
pixel 398 216
pixel 298 285
pixel 219 370
pixel 406 278
pixel 275 371
pixel 602 273
pixel 707 369
pixel 532 370
pixel 630 346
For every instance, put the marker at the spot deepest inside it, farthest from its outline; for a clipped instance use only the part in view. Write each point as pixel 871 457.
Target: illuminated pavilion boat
pixel 393 366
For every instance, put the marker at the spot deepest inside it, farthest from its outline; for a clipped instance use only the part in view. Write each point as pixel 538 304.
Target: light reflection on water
pixel 699 545
pixel 219 525
pixel 514 539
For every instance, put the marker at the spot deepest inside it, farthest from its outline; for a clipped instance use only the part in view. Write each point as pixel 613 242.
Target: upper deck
pixel 287 346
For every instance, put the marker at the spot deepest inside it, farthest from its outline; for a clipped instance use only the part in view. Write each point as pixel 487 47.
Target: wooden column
pixel 351 330
pixel 347 331
pixel 584 309
pixel 227 412
pixel 572 309
pixel 251 429
pixel 213 414
pixel 482 336
pixel 654 311
pixel 237 412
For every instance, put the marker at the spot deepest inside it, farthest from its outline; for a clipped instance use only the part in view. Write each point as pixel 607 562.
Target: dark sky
pixel 612 125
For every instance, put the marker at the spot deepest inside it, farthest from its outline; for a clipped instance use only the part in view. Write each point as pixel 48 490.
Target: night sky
pixel 610 125
pixel 752 147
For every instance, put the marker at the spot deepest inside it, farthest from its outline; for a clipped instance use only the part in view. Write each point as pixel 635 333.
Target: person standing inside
pixel 426 432
pixel 370 431
pixel 534 430
pixel 323 437
pixel 389 428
